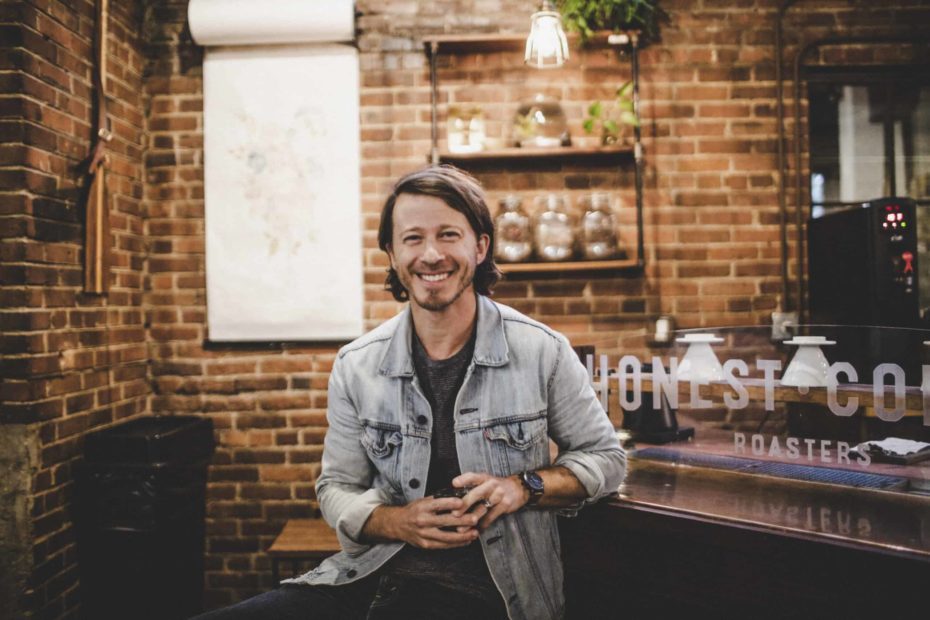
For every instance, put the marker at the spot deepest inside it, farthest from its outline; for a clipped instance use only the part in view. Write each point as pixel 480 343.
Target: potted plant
pixel 587 16
pixel 611 119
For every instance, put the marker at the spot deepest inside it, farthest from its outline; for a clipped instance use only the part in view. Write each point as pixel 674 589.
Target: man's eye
pixel 450 234
pixel 411 238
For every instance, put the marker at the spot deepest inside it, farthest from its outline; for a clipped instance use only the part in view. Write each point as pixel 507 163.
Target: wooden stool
pixel 302 540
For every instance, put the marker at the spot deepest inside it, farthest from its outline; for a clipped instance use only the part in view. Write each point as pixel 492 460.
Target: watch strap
pixel 533 483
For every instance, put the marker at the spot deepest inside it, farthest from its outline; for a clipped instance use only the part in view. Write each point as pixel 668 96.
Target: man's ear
pixel 484 241
pixel 389 249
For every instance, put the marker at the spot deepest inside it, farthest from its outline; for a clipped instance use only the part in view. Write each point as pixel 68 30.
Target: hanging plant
pixel 587 16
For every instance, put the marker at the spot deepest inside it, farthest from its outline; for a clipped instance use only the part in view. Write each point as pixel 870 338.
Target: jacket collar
pixel 490 343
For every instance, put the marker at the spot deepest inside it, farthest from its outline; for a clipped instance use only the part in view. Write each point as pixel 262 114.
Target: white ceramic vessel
pixel 700 363
pixel 809 366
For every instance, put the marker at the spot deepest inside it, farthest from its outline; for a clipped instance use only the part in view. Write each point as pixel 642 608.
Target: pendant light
pixel 546 47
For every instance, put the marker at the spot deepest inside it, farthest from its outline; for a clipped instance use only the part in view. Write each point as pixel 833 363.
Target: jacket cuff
pixel 588 474
pixel 353 518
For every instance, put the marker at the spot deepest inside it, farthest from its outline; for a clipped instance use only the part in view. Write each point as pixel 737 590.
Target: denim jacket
pixel 524 385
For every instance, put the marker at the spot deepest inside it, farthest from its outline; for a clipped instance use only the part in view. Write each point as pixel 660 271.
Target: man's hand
pixel 490 495
pixel 500 496
pixel 428 523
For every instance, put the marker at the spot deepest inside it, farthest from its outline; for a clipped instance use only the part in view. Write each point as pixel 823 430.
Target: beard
pixel 436 300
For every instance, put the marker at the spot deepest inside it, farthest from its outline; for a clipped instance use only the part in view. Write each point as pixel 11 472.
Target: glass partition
pixel 839 405
pixel 825 436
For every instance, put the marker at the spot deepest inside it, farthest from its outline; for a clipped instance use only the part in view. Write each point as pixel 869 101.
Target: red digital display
pixel 893 216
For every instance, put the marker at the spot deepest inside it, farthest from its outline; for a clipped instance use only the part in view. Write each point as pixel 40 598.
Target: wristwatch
pixel 534 484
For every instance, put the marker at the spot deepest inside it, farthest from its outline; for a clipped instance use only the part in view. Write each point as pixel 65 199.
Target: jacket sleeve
pixel 344 488
pixel 588 444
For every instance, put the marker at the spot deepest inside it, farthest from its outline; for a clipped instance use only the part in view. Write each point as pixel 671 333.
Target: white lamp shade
pixel 809 366
pixel 700 363
pixel 546 47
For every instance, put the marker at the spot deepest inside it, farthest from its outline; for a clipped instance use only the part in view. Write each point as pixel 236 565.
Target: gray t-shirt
pixel 462 568
pixel 440 381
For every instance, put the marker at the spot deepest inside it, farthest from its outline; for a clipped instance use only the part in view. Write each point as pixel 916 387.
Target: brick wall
pixel 70 362
pixel 711 211
pixel 712 237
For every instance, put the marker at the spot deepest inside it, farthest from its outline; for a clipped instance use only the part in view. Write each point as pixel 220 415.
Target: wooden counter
pixel 692 540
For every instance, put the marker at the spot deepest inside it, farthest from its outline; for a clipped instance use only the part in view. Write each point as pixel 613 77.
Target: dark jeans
pixel 386 597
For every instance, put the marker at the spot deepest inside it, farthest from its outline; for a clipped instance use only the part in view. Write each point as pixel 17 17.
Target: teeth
pixel 437 277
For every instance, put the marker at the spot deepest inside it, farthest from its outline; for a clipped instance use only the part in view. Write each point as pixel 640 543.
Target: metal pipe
pixel 798 181
pixel 637 153
pixel 785 300
pixel 433 103
pixel 890 185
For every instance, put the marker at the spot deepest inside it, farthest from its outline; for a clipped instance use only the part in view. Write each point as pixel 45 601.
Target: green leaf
pixel 587 16
pixel 625 89
pixel 595 109
pixel 629 118
pixel 588 125
pixel 611 127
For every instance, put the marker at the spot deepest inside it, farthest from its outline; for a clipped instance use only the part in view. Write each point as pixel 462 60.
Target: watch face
pixel 533 482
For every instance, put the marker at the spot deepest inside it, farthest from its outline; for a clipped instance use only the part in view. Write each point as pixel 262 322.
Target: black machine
pixel 651 424
pixel 863 265
pixel 863 281
pixel 863 273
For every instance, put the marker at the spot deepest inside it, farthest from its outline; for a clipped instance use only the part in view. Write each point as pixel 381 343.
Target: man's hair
pixel 460 191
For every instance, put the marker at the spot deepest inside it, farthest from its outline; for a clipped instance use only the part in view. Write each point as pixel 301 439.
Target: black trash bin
pixel 140 516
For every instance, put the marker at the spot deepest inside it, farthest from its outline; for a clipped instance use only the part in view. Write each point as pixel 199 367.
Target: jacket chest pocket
pixel 382 443
pixel 518 445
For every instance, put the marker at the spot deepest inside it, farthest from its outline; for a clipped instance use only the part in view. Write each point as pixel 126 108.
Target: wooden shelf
pixel 513 41
pixel 607 154
pixel 520 160
pixel 626 265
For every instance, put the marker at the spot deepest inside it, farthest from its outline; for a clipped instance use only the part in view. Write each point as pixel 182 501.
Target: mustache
pixel 437 266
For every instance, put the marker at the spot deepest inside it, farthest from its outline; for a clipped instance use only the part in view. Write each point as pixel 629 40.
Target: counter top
pixel 685 541
pixel 880 521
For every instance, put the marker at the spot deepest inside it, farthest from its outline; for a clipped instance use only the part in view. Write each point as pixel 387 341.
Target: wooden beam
pixel 97 235
pixel 97 212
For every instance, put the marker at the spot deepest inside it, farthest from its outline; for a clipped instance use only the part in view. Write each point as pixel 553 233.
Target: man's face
pixel 434 251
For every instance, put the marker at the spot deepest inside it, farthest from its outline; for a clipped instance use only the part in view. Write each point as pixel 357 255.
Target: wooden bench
pixel 302 541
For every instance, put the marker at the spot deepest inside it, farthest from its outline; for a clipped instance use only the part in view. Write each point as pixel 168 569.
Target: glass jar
pixel 465 129
pixel 513 239
pixel 540 123
pixel 554 230
pixel 598 230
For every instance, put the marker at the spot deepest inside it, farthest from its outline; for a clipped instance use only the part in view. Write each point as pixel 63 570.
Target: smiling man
pixel 435 273
pixel 436 468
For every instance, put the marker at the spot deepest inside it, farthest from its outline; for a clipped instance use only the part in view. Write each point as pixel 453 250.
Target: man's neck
pixel 445 332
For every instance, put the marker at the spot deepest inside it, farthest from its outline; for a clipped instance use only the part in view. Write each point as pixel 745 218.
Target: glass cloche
pixel 598 230
pixel 554 230
pixel 512 232
pixel 540 123
pixel 465 133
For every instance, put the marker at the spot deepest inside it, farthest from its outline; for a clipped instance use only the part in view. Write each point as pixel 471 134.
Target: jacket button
pixel 351 573
pixel 414 483
pixel 421 420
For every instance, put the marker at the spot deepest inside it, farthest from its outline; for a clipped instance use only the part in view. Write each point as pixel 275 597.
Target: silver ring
pixel 487 504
